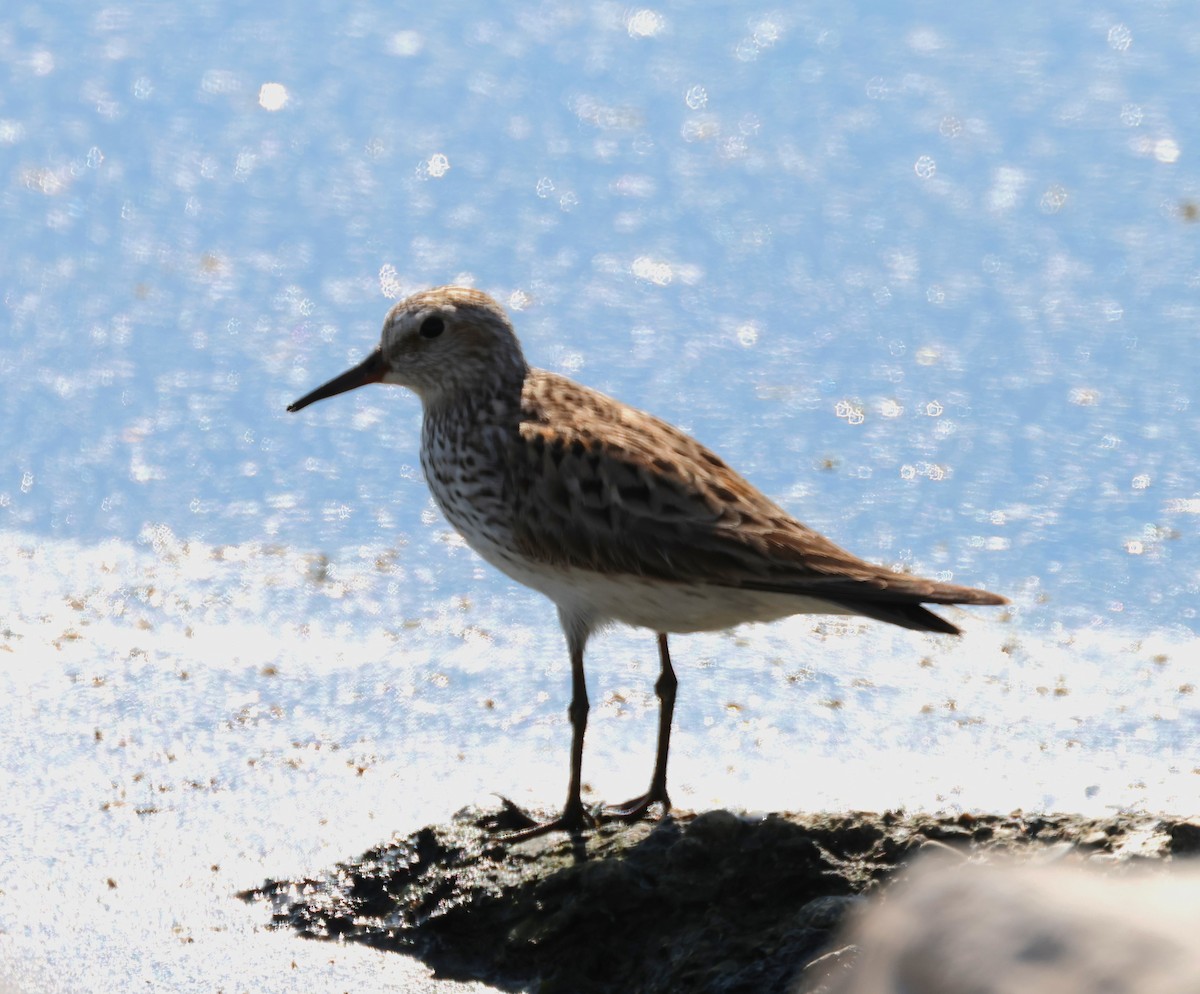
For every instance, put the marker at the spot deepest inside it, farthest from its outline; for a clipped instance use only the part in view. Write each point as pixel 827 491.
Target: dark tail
pixel 912 616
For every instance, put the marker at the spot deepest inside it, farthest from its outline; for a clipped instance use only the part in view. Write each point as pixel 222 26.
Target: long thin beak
pixel 370 370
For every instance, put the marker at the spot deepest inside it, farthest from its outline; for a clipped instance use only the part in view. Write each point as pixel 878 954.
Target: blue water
pixel 927 275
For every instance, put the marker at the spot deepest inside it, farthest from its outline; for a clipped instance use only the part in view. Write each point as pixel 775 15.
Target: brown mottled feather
pixel 560 485
pixel 608 488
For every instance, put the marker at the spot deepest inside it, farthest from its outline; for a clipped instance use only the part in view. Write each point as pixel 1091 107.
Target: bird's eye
pixel 431 327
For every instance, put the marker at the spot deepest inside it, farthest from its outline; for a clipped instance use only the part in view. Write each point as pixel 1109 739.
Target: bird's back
pixel 603 487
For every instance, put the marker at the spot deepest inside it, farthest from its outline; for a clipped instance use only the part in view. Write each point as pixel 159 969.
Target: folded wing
pixel 605 487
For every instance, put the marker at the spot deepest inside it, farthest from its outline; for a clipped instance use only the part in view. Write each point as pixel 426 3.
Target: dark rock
pixel 717 902
pixel 1185 838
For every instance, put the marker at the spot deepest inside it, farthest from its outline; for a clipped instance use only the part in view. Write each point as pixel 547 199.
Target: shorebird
pixel 613 514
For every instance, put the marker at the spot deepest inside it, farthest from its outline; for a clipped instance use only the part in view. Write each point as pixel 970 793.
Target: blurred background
pixel 929 278
pixel 925 273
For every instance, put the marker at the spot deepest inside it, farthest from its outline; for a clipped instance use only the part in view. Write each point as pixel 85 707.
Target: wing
pixel 605 487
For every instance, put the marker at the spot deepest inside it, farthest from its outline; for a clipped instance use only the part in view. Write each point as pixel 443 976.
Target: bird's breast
pixel 464 466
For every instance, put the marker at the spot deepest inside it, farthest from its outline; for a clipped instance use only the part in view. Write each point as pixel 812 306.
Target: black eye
pixel 431 327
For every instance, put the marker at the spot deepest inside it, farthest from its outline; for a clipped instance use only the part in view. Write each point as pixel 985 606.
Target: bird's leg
pixel 574 817
pixel 636 808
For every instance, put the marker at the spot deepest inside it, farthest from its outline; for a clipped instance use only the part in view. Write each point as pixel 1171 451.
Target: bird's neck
pixel 469 413
pixel 478 400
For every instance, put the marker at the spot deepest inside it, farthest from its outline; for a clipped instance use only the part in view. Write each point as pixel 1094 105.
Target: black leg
pixel 657 794
pixel 573 813
pixel 574 817
pixel 665 689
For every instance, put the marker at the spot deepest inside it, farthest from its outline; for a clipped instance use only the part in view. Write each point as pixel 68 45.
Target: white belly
pixel 643 603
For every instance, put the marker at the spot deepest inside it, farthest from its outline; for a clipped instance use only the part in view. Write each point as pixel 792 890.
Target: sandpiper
pixel 614 515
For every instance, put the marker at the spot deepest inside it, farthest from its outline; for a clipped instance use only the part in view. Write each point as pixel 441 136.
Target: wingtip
pixel 930 622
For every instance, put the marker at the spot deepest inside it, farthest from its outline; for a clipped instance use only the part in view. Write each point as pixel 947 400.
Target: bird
pixel 614 515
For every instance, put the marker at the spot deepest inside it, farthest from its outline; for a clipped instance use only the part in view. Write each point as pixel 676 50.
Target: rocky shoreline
pixel 716 902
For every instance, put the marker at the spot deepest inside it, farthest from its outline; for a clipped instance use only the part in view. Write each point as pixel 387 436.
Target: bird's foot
pixel 515 825
pixel 638 808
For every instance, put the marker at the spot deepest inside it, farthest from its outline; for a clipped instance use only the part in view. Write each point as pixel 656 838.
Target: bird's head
pixel 439 343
